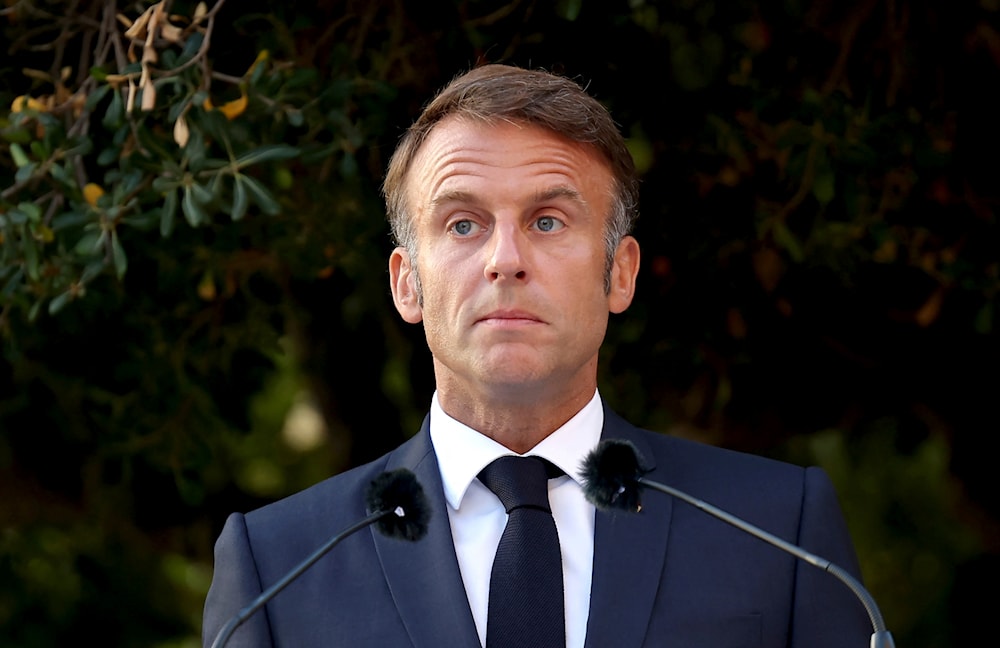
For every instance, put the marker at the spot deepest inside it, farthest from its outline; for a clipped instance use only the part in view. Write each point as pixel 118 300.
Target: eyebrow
pixel 543 196
pixel 452 196
pixel 561 192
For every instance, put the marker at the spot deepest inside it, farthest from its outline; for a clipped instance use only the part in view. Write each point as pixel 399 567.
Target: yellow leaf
pixel 261 57
pixel 26 102
pixel 206 287
pixel 92 192
pixel 928 313
pixel 233 109
pixel 45 234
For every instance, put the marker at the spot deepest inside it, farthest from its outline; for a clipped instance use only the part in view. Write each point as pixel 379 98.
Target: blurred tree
pixel 193 307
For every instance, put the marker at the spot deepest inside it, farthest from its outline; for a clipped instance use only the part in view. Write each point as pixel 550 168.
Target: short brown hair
pixel 494 92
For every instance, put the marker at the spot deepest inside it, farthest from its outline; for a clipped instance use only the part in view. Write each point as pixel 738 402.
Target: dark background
pixel 819 283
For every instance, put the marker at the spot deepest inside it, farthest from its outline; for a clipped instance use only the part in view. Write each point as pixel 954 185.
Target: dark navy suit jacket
pixel 671 575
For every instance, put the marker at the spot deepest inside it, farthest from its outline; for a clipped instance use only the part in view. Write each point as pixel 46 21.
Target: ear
pixel 623 275
pixel 403 283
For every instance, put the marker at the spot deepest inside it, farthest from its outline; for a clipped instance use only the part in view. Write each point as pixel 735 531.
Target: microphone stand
pixel 227 630
pixel 881 638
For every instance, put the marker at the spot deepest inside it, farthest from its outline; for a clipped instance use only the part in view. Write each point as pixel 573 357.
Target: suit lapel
pixel 629 554
pixel 424 576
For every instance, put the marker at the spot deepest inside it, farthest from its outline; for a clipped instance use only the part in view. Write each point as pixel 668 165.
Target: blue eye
pixel 463 228
pixel 548 224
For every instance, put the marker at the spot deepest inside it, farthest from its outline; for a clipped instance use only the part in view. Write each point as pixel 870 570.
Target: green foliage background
pixel 819 280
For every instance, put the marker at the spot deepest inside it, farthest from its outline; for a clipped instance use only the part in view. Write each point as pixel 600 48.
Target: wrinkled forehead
pixel 462 147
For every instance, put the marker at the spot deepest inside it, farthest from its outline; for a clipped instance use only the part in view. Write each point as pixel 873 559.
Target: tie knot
pixel 520 481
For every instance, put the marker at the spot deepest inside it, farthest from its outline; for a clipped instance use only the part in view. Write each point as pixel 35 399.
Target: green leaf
pixel 91 271
pixel 295 117
pixel 191 47
pixel 120 135
pixel 39 150
pixel 130 181
pixel 16 216
pixel 824 187
pixel 268 152
pixel 108 156
pixel 12 283
pixel 32 211
pixel 18 135
pixel 259 68
pixel 60 174
pixel 142 221
pixel 88 244
pixel 168 213
pixel 202 194
pixel 19 156
pixel 569 9
pixel 69 219
pixel 787 240
pixel 193 212
pixel 30 256
pixel 240 198
pixel 195 149
pixel 262 196
pixel 118 255
pixel 176 110
pixel 96 96
pixel 168 58
pixel 24 173
pixel 115 113
pixel 59 302
pixel 164 184
pixel 34 310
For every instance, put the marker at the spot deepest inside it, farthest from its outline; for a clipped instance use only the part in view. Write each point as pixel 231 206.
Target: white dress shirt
pixel 478 518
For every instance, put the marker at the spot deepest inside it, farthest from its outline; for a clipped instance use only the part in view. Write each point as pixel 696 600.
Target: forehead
pixel 462 155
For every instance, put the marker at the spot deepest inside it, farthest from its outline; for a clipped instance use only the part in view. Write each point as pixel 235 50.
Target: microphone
pixel 397 507
pixel 613 477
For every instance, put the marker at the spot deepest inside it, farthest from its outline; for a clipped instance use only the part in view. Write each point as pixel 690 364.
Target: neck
pixel 516 424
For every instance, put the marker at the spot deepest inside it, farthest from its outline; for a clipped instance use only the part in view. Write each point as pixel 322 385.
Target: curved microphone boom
pixel 613 477
pixel 397 507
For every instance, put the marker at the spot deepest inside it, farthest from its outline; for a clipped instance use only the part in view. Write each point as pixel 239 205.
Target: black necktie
pixel 526 586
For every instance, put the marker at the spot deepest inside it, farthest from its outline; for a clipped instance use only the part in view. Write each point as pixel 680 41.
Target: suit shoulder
pixel 344 491
pixel 334 502
pixel 724 475
pixel 687 450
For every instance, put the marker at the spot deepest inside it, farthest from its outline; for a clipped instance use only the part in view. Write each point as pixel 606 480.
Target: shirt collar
pixel 462 452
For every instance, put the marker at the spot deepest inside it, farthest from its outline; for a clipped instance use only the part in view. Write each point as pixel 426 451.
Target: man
pixel 512 198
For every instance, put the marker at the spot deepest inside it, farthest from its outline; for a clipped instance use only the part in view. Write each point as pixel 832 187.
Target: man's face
pixel 509 223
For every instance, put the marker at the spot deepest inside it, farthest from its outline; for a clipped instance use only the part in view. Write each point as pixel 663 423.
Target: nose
pixel 506 258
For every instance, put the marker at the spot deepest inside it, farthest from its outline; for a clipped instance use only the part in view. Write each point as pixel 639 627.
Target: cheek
pixel 437 293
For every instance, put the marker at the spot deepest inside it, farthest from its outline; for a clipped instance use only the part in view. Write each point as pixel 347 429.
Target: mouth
pixel 509 319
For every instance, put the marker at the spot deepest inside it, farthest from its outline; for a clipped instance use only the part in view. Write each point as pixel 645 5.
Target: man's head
pixel 499 93
pixel 511 198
